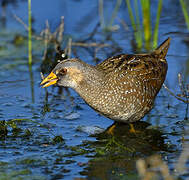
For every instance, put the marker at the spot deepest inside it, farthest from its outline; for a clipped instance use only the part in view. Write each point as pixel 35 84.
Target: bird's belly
pixel 121 104
pixel 130 110
pixel 129 116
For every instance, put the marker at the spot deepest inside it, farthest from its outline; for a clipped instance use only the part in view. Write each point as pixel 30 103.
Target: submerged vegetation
pixel 44 140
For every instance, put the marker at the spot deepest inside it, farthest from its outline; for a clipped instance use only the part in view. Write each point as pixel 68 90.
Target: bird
pixel 122 88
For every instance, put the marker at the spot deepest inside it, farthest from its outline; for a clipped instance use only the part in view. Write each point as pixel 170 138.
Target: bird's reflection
pixel 116 154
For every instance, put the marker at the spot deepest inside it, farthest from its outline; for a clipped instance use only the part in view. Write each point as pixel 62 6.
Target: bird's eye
pixel 63 55
pixel 63 71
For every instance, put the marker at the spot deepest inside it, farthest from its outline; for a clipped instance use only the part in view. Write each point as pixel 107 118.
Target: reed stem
pixel 115 11
pixel 131 15
pixel 156 29
pixel 146 19
pixel 138 30
pixel 101 13
pixel 184 10
pixel 29 33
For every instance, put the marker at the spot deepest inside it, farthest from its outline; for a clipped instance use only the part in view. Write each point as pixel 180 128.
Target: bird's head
pixel 67 73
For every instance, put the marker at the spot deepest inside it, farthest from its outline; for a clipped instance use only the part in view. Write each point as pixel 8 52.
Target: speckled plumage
pixel 123 87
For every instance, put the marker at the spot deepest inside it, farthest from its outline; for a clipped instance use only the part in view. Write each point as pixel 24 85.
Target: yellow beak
pixel 49 80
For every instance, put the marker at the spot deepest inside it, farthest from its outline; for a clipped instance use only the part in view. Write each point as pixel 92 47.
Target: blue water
pixel 80 154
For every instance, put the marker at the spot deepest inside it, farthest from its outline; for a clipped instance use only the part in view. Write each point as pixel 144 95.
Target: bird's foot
pixel 111 129
pixel 132 129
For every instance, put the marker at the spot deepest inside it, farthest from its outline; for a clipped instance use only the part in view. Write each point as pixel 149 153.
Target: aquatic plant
pixel 29 33
pixel 185 13
pixel 146 32
pixel 109 25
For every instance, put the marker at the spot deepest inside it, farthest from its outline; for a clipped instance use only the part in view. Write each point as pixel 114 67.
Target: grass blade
pixel 156 29
pixel 146 21
pixel 138 36
pixel 138 30
pixel 184 10
pixel 131 14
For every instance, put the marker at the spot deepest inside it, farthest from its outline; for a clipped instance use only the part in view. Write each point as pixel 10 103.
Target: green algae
pixel 58 139
pixel 3 129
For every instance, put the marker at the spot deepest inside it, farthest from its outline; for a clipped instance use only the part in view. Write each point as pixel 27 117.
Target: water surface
pixel 30 152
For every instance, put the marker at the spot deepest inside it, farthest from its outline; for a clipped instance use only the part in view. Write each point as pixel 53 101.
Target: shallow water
pixel 30 151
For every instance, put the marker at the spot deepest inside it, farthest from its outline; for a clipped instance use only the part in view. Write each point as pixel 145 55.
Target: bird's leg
pixel 132 129
pixel 111 129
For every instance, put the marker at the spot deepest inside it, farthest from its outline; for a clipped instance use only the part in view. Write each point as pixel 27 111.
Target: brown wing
pixel 114 62
pixel 150 68
pixel 144 67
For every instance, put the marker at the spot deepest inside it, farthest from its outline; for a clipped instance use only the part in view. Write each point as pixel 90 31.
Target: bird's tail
pixel 161 51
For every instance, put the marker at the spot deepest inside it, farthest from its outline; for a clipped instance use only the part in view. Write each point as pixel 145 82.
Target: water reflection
pixel 115 156
pixel 107 156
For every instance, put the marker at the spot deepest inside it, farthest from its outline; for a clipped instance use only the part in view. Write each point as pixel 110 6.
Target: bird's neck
pixel 91 84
